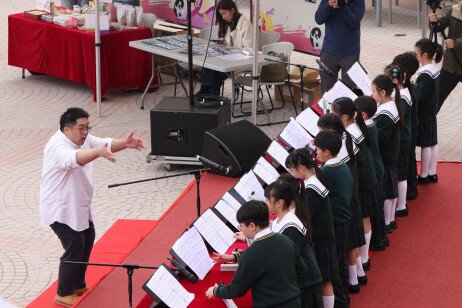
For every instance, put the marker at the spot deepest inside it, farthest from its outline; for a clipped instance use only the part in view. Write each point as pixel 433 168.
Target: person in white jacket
pixel 233 30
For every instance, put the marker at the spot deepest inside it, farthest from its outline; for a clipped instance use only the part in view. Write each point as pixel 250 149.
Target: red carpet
pixel 422 266
pixel 154 249
pixel 123 236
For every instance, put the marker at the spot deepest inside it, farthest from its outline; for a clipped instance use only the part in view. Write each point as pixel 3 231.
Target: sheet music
pixel 277 152
pixel 228 198
pixel 265 171
pixel 168 289
pixel 249 187
pixel 360 78
pixel 215 232
pixel 309 120
pixel 296 135
pixel 339 90
pixel 228 212
pixel 192 250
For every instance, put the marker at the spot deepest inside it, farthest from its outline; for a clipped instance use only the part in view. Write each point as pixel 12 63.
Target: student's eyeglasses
pixel 83 130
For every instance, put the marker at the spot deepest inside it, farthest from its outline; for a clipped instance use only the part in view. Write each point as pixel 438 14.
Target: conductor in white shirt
pixel 66 193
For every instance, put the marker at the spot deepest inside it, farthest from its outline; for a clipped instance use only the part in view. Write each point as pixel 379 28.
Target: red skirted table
pixel 46 48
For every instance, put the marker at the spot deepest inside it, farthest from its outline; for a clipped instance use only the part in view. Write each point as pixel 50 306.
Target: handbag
pixel 275 72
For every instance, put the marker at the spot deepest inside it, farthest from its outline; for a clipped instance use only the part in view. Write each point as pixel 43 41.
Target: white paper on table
pixel 309 120
pixel 228 198
pixel 277 152
pixel 235 56
pixel 360 78
pixel 228 212
pixel 168 289
pixel 265 171
pixel 223 231
pixel 339 90
pixel 295 135
pixel 191 249
pixel 249 187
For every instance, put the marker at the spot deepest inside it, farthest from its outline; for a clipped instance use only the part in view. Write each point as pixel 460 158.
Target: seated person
pixel 269 267
pixel 233 30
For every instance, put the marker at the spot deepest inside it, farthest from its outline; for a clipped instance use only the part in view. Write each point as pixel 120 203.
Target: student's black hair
pixel 345 106
pixel 385 83
pixel 333 123
pixel 409 63
pixel 366 104
pixel 70 117
pixel 253 211
pixel 287 188
pixel 328 141
pixel 302 157
pixel 433 50
pixel 223 25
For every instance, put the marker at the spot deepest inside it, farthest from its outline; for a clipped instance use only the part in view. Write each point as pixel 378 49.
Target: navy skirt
pixel 390 184
pixel 427 135
pixel 403 164
pixel 368 200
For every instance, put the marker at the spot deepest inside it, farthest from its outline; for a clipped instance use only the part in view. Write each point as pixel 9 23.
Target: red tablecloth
pixel 53 50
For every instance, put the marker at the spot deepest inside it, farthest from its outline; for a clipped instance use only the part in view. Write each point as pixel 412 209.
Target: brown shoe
pixel 79 292
pixel 68 300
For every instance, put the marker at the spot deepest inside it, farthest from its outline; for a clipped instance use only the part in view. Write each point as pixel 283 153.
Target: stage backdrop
pixel 293 19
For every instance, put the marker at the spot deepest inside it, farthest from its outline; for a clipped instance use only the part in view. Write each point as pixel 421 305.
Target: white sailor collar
pixel 289 220
pixel 389 109
pixel 342 156
pixel 406 96
pixel 431 69
pixel 355 133
pixel 262 233
pixel 315 184
pixel 369 122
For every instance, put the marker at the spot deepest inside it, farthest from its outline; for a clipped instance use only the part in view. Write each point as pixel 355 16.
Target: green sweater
pixel 388 136
pixel 322 222
pixel 341 191
pixel 405 136
pixel 270 267
pixel 366 168
pixel 426 93
pixel 378 163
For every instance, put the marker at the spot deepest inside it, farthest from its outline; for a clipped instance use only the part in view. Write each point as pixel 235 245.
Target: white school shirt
pixel 66 188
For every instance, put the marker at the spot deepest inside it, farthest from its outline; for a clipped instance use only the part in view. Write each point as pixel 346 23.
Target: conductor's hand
pixel 240 236
pixel 209 292
pixel 105 151
pixel 433 17
pixel 134 142
pixel 333 3
pixel 221 258
pixel 449 43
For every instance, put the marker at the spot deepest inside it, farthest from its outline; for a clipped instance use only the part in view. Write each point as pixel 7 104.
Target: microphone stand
pixel 301 68
pixel 130 269
pixel 197 175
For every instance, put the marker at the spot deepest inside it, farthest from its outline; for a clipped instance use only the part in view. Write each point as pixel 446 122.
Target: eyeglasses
pixel 83 130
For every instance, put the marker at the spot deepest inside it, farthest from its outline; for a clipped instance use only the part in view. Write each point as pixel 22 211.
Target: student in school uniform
pixel 389 124
pixel 349 154
pixel 328 145
pixel 367 106
pixel 428 54
pixel 270 267
pixel 353 122
pixel 315 193
pixel 294 222
pixel 398 76
pixel 408 62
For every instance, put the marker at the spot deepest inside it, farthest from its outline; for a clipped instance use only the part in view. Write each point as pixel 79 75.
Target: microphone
pixel 183 271
pixel 214 165
pixel 324 68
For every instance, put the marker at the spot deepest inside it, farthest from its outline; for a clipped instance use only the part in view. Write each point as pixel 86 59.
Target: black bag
pixel 274 72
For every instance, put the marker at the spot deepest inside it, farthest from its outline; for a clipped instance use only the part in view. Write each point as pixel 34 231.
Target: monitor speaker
pixel 238 146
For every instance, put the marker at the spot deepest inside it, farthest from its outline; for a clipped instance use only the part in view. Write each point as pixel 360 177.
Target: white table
pixel 214 63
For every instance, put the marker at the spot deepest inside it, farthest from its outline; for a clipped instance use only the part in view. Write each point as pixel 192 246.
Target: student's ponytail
pixel 398 106
pixel 302 157
pixel 409 63
pixel 345 106
pixel 331 122
pixel 397 74
pixel 432 49
pixel 438 52
pixel 383 82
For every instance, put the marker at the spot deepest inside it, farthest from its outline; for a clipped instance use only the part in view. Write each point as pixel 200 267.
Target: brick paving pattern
pixel 31 107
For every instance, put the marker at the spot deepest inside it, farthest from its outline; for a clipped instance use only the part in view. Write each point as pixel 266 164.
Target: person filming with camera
pixel 451 71
pixel 340 50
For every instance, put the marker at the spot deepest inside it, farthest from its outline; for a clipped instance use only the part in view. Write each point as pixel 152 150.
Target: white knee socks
pixel 352 275
pixel 386 210
pixel 359 267
pixel 434 160
pixel 402 190
pixel 328 301
pixel 426 156
pixel 364 249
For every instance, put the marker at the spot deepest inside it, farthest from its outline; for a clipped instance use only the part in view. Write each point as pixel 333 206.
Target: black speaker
pixel 177 128
pixel 238 146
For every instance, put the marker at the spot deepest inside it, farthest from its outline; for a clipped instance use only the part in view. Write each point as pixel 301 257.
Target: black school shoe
pixel 412 195
pixel 432 178
pixel 394 225
pixel 423 181
pixel 402 213
pixel 354 288
pixel 362 280
pixel 367 265
pixel 389 228
pixel 380 246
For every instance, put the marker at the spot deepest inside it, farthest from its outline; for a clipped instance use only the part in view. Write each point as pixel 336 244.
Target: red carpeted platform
pixel 113 247
pixel 422 266
pixel 154 249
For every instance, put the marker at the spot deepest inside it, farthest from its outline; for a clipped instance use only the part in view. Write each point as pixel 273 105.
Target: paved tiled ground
pixel 30 110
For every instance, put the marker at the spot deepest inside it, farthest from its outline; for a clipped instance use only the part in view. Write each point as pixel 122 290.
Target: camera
pixel 434 4
pixel 341 3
